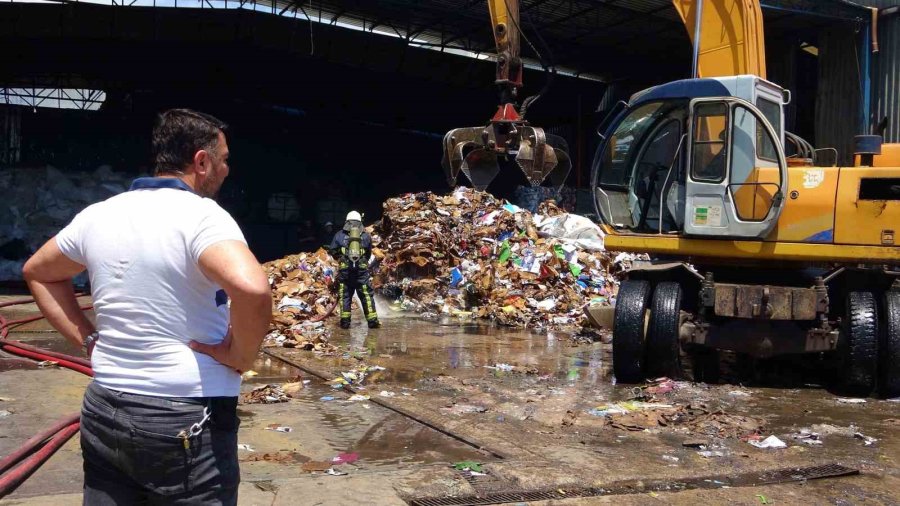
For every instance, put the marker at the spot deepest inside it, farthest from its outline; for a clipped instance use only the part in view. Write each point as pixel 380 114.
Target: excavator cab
pixel 700 157
pixel 478 151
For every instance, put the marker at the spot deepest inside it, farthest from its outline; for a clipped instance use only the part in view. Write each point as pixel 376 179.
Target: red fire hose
pixel 14 478
pixel 30 445
pixel 31 455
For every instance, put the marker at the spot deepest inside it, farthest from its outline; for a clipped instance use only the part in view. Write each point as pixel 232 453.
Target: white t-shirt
pixel 141 249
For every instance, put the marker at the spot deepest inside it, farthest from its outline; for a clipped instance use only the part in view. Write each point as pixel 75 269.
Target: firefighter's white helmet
pixel 353 216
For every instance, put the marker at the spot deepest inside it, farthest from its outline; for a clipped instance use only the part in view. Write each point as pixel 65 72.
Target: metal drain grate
pixel 509 497
pixel 631 487
pixel 804 473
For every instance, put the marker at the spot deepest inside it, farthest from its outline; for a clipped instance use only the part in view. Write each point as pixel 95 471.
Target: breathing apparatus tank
pixel 354 246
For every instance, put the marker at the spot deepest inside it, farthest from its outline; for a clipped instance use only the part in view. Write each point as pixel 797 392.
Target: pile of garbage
pixel 301 298
pixel 470 254
pixel 38 202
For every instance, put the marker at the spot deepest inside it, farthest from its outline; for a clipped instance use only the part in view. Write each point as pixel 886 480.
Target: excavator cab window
pixel 639 163
pixel 765 149
pixel 710 142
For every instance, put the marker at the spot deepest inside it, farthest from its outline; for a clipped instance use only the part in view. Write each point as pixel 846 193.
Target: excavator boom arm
pixel 731 36
pixel 505 26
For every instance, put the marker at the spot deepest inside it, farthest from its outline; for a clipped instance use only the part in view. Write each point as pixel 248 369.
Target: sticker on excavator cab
pixel 813 178
pixel 707 216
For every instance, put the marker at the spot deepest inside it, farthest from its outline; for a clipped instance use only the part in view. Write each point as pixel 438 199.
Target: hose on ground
pixel 11 480
pixel 29 446
pixel 29 457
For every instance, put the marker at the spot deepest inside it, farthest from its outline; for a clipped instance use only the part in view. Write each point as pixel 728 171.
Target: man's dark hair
pixel 178 134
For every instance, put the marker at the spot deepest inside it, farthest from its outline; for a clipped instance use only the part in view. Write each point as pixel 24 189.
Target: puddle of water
pixel 381 437
pixel 420 348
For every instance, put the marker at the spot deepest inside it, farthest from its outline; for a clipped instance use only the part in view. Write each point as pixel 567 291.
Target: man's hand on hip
pixel 223 352
pixel 231 265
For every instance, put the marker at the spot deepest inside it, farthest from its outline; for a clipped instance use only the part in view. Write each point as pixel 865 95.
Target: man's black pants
pixel 133 455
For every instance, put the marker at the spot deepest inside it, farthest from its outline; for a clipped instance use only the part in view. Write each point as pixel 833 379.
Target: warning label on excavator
pixel 708 216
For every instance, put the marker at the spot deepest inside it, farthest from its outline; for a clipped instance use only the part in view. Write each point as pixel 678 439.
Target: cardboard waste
pixel 470 254
pixel 301 293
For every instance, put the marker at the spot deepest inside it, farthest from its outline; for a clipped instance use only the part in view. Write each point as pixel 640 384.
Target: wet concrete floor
pixel 446 392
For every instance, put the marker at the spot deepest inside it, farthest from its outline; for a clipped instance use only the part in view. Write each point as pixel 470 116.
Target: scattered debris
pixel 661 386
pixel 326 398
pixel 739 393
pixel 345 458
pixel 671 458
pixel 764 500
pixel 461 409
pixel 385 393
pixel 245 447
pixel 708 454
pixel 4 413
pixel 316 466
pixel 249 374
pixel 358 397
pixel 282 457
pixel 693 443
pixel 826 429
pixel 468 465
pixel 808 437
pixel 868 440
pixel 291 389
pixel 265 394
pixel 769 442
pixel 852 400
pixel 697 419
pixel 279 428
pixel 47 363
pixel 334 472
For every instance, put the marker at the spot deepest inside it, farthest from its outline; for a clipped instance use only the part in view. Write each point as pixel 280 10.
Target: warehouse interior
pixel 339 104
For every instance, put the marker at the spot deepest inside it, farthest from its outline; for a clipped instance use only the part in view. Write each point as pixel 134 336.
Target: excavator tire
pixel 663 347
pixel 859 344
pixel 628 331
pixel 889 349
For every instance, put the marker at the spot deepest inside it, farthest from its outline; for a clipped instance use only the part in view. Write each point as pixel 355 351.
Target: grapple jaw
pixel 475 152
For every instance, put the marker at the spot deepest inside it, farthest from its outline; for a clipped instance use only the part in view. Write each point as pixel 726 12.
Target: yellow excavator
pixel 476 151
pixel 752 251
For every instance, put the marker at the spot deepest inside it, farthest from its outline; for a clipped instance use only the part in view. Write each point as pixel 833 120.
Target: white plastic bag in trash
pixel 571 228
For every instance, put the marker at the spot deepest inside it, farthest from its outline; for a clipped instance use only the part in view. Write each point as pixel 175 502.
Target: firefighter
pixel 352 248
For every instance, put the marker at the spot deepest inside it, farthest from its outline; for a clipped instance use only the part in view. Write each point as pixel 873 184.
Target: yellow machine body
pixel 827 218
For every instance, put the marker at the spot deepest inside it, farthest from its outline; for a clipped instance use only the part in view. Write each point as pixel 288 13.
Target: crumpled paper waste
pixel 697 419
pixel 301 292
pixel 469 254
pixel 300 287
pixel 272 393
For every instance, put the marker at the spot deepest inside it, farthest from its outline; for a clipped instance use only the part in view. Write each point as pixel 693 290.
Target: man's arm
pixel 231 265
pixel 49 276
pixel 334 249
